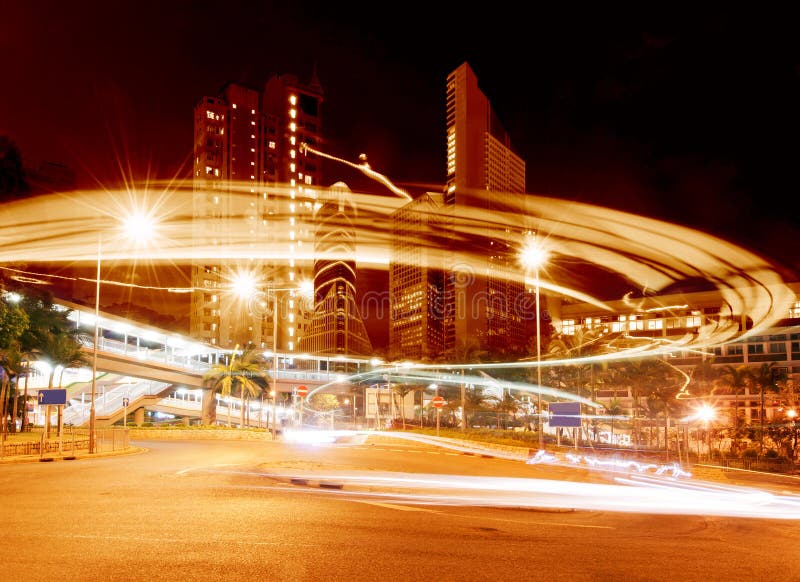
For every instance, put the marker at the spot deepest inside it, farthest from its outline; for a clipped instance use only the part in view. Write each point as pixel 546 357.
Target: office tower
pixel 336 327
pixel 420 313
pixel 479 290
pixel 483 177
pixel 252 211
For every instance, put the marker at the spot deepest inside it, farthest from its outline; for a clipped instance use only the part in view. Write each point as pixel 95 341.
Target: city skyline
pixel 683 117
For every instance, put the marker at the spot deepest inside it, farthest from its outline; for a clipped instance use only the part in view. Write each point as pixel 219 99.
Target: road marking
pixel 397 507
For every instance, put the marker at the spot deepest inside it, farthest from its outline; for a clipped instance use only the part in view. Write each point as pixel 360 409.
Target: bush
pixel 750 454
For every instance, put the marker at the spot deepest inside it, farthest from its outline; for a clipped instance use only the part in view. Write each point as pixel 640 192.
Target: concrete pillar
pixel 138 416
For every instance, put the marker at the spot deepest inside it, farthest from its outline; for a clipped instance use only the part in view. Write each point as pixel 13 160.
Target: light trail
pixel 641 254
pixel 636 494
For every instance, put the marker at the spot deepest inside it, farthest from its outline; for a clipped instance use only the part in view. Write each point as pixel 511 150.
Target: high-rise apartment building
pixel 476 286
pixel 336 327
pixel 254 199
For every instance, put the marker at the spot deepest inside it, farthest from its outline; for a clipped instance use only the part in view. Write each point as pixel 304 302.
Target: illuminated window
pixel 655 324
pixel 210 114
pixel 293 113
pixel 293 126
pixel 234 106
pixel 253 111
pixel 568 327
pixel 291 167
pixel 293 99
pixel 794 310
pixel 293 140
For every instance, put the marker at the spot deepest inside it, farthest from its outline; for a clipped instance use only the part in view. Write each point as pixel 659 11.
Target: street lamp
pixel 707 413
pixel 534 256
pixel 305 288
pixel 136 225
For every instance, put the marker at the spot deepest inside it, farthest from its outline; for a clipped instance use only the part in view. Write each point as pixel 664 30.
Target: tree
pixel 614 409
pixel 401 390
pixel 507 404
pixel 13 324
pixel 766 378
pixel 12 174
pixel 245 372
pixel 45 321
pixel 466 351
pixel 736 379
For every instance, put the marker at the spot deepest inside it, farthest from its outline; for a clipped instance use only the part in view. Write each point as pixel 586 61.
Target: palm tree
pixel 737 379
pixel 245 372
pixel 400 391
pixel 766 378
pixel 14 322
pixel 614 409
pixel 466 351
pixel 508 404
pixel 61 349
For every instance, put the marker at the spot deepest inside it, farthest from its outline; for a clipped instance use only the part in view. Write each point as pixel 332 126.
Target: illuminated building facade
pixel 254 201
pixel 420 312
pixel 336 326
pixel 477 281
pixel 673 317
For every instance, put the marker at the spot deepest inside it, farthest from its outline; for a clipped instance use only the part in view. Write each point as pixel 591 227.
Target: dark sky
pixel 690 116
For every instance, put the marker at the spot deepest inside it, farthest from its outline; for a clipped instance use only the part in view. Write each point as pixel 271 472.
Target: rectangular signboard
pixel 54 396
pixel 566 414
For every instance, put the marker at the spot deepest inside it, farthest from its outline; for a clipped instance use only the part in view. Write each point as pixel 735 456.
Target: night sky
pixel 690 116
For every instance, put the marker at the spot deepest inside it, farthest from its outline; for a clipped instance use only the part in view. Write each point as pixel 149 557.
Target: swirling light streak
pixel 642 253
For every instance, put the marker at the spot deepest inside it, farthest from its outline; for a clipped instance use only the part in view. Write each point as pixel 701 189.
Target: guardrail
pixel 72 442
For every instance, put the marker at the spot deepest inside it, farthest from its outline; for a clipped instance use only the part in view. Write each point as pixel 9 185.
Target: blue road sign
pixel 565 414
pixel 54 396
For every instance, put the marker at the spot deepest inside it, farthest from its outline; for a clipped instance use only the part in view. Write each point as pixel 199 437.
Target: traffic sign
pixel 438 401
pixel 125 402
pixel 302 391
pixel 53 396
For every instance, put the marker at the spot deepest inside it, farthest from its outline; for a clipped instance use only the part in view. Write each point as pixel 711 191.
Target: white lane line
pixel 397 507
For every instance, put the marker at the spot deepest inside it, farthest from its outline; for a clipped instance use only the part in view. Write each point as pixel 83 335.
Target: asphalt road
pixel 378 510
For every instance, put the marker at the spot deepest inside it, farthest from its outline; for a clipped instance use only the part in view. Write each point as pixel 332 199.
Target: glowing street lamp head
pixel 533 255
pixel 706 412
pixel 243 284
pixel 306 288
pixel 139 226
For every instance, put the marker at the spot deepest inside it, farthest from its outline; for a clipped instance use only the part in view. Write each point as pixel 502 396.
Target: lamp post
pixel 305 287
pixel 707 413
pixel 533 256
pixel 92 411
pixel 135 225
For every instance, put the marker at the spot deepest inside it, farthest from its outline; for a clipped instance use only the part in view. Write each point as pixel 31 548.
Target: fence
pixel 72 442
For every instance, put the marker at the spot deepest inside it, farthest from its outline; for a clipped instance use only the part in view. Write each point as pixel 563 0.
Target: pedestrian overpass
pixel 140 367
